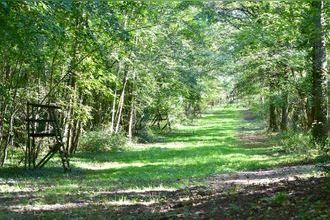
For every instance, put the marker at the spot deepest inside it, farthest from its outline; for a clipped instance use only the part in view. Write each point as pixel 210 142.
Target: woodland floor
pixel 221 166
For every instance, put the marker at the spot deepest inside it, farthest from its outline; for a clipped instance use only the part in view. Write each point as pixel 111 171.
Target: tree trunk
pixel 284 112
pixel 131 121
pixel 113 112
pixel 121 105
pixel 2 135
pixel 319 74
pixel 9 139
pixel 273 126
pixel 68 126
pixel 272 118
pixel 75 134
pixel 309 114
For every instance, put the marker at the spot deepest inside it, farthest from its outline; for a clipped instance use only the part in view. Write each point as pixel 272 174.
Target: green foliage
pixel 110 65
pixel 279 198
pixel 127 66
pixel 294 142
pixel 302 143
pixel 323 148
pixel 147 135
pixel 101 141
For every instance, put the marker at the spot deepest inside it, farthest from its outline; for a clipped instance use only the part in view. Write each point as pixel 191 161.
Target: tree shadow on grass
pixel 193 152
pixel 307 198
pixel 12 175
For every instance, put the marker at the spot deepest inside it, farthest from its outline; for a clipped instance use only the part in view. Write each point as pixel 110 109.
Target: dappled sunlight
pixel 146 173
pixel 183 109
pixel 15 188
pixel 198 150
pixel 169 145
pixel 266 176
pixel 66 206
pixel 111 165
pixel 46 207
pixel 147 189
pixel 268 180
pixel 111 198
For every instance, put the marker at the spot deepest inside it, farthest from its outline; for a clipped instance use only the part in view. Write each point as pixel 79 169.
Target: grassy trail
pixel 183 158
pixel 211 145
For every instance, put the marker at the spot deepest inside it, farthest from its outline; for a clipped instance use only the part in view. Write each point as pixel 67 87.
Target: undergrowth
pixel 102 141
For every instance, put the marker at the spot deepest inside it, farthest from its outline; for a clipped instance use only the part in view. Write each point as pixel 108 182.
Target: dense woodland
pixel 123 70
pixel 114 66
pixel 124 66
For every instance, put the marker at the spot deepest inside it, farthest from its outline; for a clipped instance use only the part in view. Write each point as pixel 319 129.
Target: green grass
pixel 209 146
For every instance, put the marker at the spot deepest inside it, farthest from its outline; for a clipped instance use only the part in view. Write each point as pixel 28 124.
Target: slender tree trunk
pixel 121 105
pixel 2 121
pixel 132 111
pixel 320 81
pixel 9 139
pixel 284 112
pixel 113 112
pixel 273 126
pixel 272 118
pixel 76 130
pixel 68 126
pixel 131 121
pixel 309 114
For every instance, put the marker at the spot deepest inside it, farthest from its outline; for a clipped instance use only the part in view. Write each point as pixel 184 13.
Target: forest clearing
pixel 164 109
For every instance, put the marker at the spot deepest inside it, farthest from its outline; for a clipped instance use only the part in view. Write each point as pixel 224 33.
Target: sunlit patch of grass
pixel 14 188
pixel 147 189
pixel 109 165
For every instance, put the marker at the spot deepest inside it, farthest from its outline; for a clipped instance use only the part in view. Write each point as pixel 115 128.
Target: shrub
pixel 147 135
pixel 280 198
pixel 297 142
pixel 324 148
pixel 99 141
pixel 303 143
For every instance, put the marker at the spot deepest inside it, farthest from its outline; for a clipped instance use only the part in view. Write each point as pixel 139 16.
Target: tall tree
pixel 319 73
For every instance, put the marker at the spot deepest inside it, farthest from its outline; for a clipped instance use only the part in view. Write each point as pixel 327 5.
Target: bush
pixel 303 143
pixel 297 142
pixel 147 135
pixel 99 141
pixel 324 149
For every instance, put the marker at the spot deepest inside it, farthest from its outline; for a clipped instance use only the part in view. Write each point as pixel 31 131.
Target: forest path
pixel 217 166
pixel 223 140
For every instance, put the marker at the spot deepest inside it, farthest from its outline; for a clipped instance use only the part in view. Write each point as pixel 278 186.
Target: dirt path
pixel 269 176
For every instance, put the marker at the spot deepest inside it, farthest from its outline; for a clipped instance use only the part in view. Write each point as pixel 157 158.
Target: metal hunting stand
pixel 41 123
